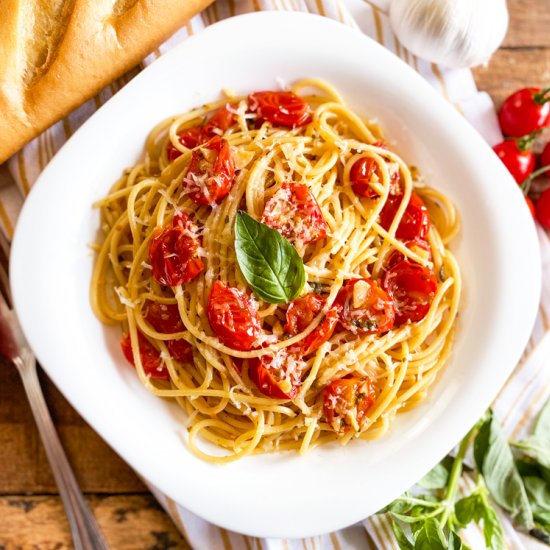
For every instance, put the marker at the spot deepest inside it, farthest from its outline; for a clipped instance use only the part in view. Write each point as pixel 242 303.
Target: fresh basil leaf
pixel 469 509
pixel 539 497
pixel 269 263
pixel 536 447
pixel 492 529
pixel 438 476
pixel 430 537
pixel 402 540
pixel 495 462
pixel 399 506
pixel 455 542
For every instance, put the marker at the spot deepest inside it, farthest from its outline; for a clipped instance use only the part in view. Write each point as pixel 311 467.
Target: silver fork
pixel 15 350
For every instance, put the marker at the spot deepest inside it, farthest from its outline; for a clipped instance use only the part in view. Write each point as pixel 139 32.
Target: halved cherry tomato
pixel 190 138
pixel 542 209
pixel 211 172
pixel 278 376
pixel 519 163
pixel 412 288
pixel 300 314
pixel 233 317
pixel 219 122
pixel 362 172
pixel 346 403
pixel 150 357
pixel 415 222
pixel 525 111
pixel 165 318
pixel 420 246
pixel 364 307
pixel 280 108
pixel 174 252
pixel 295 214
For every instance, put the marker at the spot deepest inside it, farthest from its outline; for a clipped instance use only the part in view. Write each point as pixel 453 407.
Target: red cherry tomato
pixel 542 209
pixel 300 314
pixel 362 172
pixel 295 214
pixel 150 357
pixel 219 122
pixel 211 172
pixel 280 108
pixel 165 318
pixel 189 138
pixel 346 403
pixel 524 112
pixel 278 376
pixel 412 288
pixel 544 159
pixel 419 246
pixel 233 317
pixel 364 307
pixel 519 163
pixel 415 222
pixel 174 252
pixel 531 206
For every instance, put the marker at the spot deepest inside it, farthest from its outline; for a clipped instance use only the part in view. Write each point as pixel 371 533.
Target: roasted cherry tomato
pixel 412 288
pixel 150 357
pixel 280 108
pixel 190 138
pixel 278 376
pixel 211 172
pixel 419 246
pixel 300 314
pixel 415 222
pixel 542 209
pixel 362 173
pixel 233 317
pixel 174 252
pixel 364 307
pixel 219 122
pixel 346 403
pixel 165 318
pixel 525 111
pixel 519 163
pixel 295 214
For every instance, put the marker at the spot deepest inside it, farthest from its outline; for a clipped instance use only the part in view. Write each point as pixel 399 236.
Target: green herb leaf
pixel 438 476
pixel 492 529
pixel 430 537
pixel 539 498
pixel 455 542
pixel 402 540
pixel 469 509
pixel 495 462
pixel 269 263
pixel 537 445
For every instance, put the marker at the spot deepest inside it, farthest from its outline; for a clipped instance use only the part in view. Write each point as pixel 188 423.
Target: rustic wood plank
pixel 131 522
pixel 509 70
pixel 25 467
pixel 529 24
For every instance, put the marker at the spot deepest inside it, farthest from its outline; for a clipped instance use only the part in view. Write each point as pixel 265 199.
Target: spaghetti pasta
pixel 373 324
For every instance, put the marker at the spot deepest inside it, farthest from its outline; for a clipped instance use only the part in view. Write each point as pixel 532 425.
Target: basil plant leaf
pixel 402 540
pixel 269 263
pixel 495 462
pixel 430 537
pixel 438 476
pixel 539 497
pixel 537 445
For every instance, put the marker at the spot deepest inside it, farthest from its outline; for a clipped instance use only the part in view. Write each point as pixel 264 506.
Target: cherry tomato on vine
pixel 542 209
pixel 211 172
pixel 280 108
pixel 233 318
pixel 519 163
pixel 174 252
pixel 525 111
pixel 544 159
pixel 149 355
pixel 346 403
pixel 412 288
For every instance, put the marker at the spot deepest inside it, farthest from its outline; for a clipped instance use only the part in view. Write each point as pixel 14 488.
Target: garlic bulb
pixel 454 33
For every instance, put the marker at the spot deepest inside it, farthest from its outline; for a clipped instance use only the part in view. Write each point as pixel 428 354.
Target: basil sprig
pixel 269 263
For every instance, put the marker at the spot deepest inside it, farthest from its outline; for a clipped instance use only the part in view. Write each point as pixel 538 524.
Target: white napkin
pixel 526 390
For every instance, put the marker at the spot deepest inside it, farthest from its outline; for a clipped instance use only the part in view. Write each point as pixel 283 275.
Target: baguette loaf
pixel 56 54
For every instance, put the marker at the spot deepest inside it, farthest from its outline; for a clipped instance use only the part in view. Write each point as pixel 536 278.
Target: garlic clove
pixel 452 33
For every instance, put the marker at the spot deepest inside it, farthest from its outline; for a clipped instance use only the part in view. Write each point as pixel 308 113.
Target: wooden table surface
pixel 31 515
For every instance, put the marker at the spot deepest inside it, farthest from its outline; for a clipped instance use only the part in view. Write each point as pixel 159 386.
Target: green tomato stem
pixel 526 185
